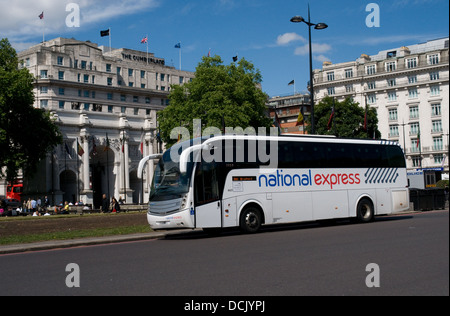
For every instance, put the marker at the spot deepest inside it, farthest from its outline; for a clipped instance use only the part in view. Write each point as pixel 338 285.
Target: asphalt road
pixel 411 253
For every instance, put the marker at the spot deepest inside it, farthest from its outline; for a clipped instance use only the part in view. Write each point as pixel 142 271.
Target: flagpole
pixel 180 55
pixel 110 45
pixel 43 30
pixel 147 49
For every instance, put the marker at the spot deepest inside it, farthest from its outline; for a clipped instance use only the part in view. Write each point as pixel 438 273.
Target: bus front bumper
pixel 182 219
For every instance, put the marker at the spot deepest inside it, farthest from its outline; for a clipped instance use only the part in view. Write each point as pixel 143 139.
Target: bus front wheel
pixel 250 220
pixel 365 211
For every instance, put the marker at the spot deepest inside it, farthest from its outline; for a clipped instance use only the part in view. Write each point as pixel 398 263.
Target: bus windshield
pixel 168 182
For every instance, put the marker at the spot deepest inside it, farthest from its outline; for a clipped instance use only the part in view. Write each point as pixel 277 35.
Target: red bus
pixel 14 190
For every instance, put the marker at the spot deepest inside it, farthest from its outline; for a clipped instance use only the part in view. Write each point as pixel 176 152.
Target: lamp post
pixel 318 26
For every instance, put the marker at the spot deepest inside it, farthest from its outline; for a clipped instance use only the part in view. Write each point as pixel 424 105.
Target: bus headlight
pixel 184 201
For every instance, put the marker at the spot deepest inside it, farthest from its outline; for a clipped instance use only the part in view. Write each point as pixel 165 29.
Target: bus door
pixel 208 208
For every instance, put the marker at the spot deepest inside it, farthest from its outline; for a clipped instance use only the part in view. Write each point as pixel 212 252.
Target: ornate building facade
pixel 105 102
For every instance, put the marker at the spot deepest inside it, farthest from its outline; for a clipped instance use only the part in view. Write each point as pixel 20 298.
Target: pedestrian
pixel 115 205
pixel 105 204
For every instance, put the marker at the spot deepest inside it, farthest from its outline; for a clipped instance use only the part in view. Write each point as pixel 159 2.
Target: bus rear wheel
pixel 251 220
pixel 365 211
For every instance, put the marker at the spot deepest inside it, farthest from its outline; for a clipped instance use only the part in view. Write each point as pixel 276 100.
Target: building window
pixel 44 90
pixel 143 85
pixel 371 69
pixel 371 98
pixel 412 79
pixel 123 109
pixel 135 99
pixel 436 109
pixel 433 59
pixel 371 85
pixel 110 108
pixel 434 90
pixel 123 98
pixel 391 82
pixel 415 145
pixel 438 159
pixel 349 88
pixel 86 106
pixel 437 126
pixel 86 78
pixel 108 67
pixel 392 96
pixel 130 72
pixel 61 105
pixel 163 77
pixel 393 116
pixel 331 91
pixel 136 111
pixel 61 91
pixel 414 129
pixel 349 73
pixel 109 80
pixel 142 74
pixel 147 100
pixel 393 130
pixel 44 74
pixel 83 64
pixel 414 112
pixel 412 93
pixel 416 159
pixel 181 80
pixel 411 63
pixel 330 76
pixel 60 61
pixel 61 75
pixel 437 143
pixel 109 96
pixel 434 75
pixel 390 66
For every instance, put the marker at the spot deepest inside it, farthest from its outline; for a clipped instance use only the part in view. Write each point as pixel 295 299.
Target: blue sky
pixel 258 30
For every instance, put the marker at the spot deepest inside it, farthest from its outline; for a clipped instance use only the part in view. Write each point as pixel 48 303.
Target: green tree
pixel 348 120
pixel 219 95
pixel 26 133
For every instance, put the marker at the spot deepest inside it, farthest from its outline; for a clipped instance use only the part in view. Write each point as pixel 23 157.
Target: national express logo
pixel 308 179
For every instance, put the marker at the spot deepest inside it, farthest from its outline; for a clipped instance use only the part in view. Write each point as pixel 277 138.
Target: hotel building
pixel 408 86
pixel 105 102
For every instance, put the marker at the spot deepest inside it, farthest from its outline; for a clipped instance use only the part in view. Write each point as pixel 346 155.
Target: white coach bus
pixel 221 182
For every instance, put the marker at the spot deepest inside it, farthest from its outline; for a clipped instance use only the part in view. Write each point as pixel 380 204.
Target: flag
pixel 80 149
pixel 291 83
pixel 235 58
pixel 41 16
pixel 104 33
pixel 144 40
pixel 300 118
pixel 67 150
pixel 209 53
pixel 418 139
pixel 107 143
pixel 178 45
pixel 330 121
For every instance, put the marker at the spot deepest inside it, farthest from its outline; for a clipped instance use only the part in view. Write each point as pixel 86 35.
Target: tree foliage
pixel 218 95
pixel 26 133
pixel 348 120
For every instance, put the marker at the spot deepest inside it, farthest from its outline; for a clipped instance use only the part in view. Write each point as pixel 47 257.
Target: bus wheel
pixel 365 211
pixel 250 220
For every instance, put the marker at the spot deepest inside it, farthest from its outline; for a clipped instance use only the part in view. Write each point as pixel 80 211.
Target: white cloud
pixel 316 49
pixel 287 38
pixel 19 20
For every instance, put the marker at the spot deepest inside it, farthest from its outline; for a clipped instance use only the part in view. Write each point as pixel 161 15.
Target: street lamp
pixel 318 26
